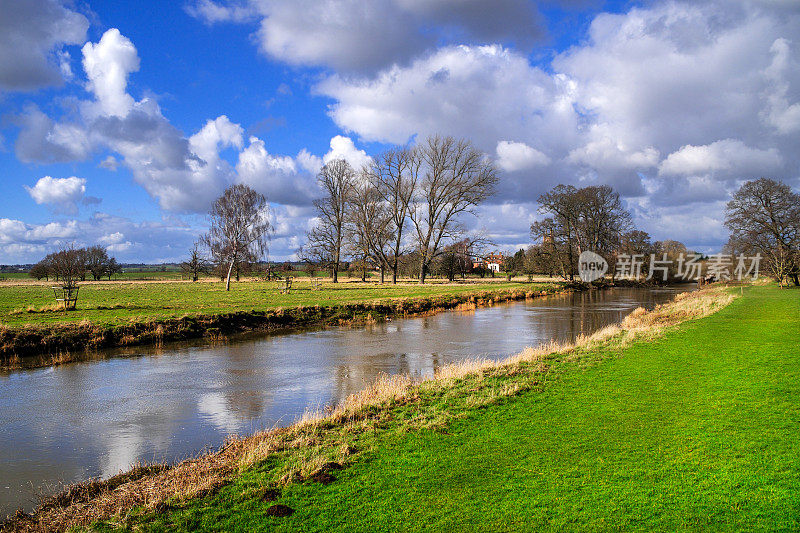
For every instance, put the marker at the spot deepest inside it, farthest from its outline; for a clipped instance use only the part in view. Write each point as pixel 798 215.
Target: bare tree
pixel 764 217
pixel 394 175
pixel 197 263
pixel 326 240
pixel 239 227
pixel 602 219
pixel 457 177
pixel 555 253
pixel 371 225
pixel 68 264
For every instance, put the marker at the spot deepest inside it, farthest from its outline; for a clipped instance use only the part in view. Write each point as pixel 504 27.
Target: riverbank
pixel 394 421
pixel 33 344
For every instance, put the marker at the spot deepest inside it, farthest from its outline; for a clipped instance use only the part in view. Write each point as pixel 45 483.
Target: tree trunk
pixel 228 280
pixel 394 274
pixel 336 273
pixel 422 272
pixel 382 269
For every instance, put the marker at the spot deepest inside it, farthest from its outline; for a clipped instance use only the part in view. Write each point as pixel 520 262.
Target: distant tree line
pixel 75 264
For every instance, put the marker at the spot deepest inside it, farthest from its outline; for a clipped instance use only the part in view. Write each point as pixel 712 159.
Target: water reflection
pixel 96 418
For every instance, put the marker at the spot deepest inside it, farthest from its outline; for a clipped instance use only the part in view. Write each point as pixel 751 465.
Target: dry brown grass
pixel 156 488
pixel 32 309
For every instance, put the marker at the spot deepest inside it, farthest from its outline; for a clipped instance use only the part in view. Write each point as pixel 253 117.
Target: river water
pixel 95 418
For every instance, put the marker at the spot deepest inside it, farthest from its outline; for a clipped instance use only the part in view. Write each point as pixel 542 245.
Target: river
pixel 95 418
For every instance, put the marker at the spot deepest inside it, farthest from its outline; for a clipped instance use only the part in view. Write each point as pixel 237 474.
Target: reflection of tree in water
pixel 360 365
pixel 564 317
pixel 242 379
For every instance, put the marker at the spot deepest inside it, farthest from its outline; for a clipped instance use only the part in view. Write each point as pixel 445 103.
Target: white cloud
pixel 64 194
pixel 486 93
pixel 779 112
pixel 310 162
pixel 513 156
pixel 32 36
pixel 112 238
pixel 107 65
pixel 183 174
pixel 608 154
pixel 109 163
pixel 156 241
pixel 658 100
pixel 725 157
pixel 211 12
pixel 42 140
pixel 280 178
pixel 343 148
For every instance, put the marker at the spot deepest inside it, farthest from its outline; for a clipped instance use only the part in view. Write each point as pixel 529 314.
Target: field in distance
pixel 25 301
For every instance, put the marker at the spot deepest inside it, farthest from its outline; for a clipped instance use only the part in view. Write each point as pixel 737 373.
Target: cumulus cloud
pixel 108 64
pixel 32 36
pixel 360 36
pixel 63 194
pixel 109 163
pixel 779 112
pixel 183 173
pixel 343 148
pixel 721 157
pixel 42 140
pixel 159 241
pixel 672 102
pixel 281 179
pixel 512 156
pixel 487 93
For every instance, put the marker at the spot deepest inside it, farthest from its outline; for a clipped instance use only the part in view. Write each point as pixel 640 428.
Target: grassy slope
pixel 695 430
pixel 150 300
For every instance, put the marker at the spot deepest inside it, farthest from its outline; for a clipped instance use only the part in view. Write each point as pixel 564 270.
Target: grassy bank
pixel 644 426
pixel 173 311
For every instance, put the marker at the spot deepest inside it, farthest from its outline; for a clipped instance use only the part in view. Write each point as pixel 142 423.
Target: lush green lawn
pixel 696 430
pixel 119 302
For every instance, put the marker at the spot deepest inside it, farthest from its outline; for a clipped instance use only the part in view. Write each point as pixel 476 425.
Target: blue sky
pixel 120 122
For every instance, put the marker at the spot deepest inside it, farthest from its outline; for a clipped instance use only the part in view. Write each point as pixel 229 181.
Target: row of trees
pixel 74 264
pixel 406 197
pixel 763 217
pixel 578 219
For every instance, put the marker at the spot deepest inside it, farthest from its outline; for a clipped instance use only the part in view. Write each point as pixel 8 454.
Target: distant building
pixel 493 262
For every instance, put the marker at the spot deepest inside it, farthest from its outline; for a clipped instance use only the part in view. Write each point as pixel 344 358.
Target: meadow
pixel 681 418
pixel 118 302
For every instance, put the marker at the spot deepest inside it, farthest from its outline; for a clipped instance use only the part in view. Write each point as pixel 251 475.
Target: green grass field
pixel 113 303
pixel 697 429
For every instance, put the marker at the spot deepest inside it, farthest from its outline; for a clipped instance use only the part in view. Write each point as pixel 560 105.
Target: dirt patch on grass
pixel 279 510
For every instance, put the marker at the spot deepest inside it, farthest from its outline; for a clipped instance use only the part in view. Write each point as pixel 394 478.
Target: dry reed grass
pixel 321 437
